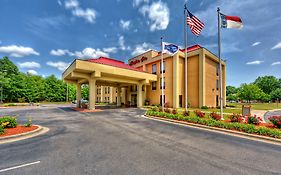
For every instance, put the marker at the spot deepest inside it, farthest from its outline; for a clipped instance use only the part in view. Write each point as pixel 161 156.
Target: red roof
pixel 192 48
pixel 114 63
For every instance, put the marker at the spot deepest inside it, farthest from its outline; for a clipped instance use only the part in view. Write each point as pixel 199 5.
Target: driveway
pixel 120 141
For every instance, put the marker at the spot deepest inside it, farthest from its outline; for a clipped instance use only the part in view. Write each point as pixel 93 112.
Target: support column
pixel 175 81
pixel 123 95
pixel 78 95
pixel 111 94
pixel 102 94
pixel 139 97
pixel 118 96
pixel 92 94
pixel 202 79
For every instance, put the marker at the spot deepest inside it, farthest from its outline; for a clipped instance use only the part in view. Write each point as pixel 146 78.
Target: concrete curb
pixel 220 130
pixel 40 130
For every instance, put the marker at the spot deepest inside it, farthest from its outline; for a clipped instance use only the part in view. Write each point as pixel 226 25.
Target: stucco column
pixel 123 95
pixel 92 94
pixel 139 97
pixel 111 94
pixel 78 95
pixel 202 78
pixel 118 96
pixel 102 94
pixel 175 81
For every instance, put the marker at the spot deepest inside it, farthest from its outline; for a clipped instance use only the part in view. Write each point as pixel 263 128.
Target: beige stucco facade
pixel 112 84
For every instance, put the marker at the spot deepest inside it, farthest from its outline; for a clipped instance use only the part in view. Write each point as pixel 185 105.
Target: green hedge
pixel 8 122
pixel 1 129
pixel 248 128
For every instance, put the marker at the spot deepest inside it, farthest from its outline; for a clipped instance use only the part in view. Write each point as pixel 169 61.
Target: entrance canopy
pixel 105 72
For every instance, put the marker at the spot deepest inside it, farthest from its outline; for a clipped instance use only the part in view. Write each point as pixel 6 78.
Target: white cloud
pixel 88 53
pixel 60 65
pixel 254 62
pixel 61 52
pixel 110 50
pixel 125 24
pixel 256 43
pixel 32 72
pixel 138 2
pixel 276 63
pixel 18 51
pixel 29 65
pixel 85 53
pixel 277 46
pixel 121 42
pixel 141 48
pixel 158 14
pixel 88 14
pixel 59 2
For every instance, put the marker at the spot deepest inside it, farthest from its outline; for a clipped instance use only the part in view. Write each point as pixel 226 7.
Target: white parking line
pixel 19 166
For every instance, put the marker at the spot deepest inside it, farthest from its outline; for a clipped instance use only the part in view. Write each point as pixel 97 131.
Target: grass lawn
pixel 27 104
pixel 258 106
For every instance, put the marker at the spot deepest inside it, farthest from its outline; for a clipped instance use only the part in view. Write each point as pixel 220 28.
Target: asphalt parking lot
pixel 120 141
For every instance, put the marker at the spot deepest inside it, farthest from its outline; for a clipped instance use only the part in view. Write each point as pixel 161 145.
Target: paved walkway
pixel 272 113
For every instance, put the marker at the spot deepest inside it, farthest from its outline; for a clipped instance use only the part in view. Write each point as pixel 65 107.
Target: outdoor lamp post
pixel 1 100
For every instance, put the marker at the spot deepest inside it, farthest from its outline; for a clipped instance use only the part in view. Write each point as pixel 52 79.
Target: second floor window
pixel 163 83
pixel 217 69
pixel 154 68
pixel 164 66
pixel 217 85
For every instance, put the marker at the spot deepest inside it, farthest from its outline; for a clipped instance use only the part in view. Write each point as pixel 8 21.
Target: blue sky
pixel 43 36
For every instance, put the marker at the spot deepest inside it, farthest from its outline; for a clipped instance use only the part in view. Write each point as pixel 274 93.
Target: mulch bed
pixel 18 130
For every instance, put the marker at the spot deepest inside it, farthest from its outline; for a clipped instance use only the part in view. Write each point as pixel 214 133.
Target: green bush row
pixel 8 122
pixel 1 129
pixel 248 128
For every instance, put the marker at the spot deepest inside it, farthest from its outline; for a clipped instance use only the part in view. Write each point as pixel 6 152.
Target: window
pixel 163 83
pixel 153 85
pixel 164 67
pixel 154 68
pixel 105 90
pixel 161 100
pixel 217 69
pixel 217 85
pixel 108 89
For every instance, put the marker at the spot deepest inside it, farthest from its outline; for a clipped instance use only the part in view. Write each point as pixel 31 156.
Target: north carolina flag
pixel 231 22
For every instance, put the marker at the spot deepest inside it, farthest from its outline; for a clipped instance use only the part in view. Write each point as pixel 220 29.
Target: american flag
pixel 194 23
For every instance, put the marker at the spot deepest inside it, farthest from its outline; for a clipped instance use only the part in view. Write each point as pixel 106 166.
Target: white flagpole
pixel 162 76
pixel 220 66
pixel 185 57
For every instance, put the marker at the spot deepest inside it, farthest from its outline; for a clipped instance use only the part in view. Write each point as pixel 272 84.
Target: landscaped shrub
pixel 199 113
pixel 154 108
pixel 167 110
pixel 174 111
pixel 253 120
pixel 9 122
pixel 276 121
pixel 1 130
pixel 236 118
pixel 215 116
pixel 204 107
pixel 186 113
pixel 167 105
pixel 28 123
pixel 248 128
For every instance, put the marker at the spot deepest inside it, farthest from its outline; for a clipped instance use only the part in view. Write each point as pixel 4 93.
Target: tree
pixel 276 94
pixel 267 83
pixel 85 92
pixel 231 90
pixel 55 90
pixel 249 92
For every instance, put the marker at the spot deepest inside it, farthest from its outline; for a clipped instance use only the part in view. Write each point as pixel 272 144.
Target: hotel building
pixel 139 81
